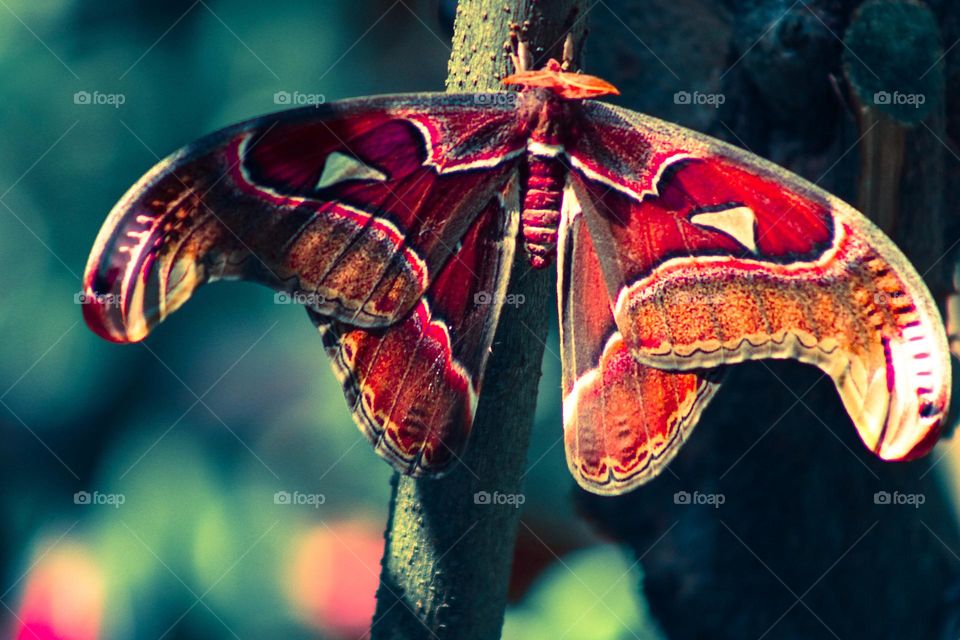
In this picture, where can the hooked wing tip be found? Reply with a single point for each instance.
(909, 444)
(914, 450)
(103, 309)
(897, 420)
(102, 317)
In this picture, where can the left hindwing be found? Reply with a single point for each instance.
(413, 386)
(714, 256)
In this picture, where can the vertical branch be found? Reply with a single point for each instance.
(447, 559)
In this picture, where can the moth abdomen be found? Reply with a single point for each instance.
(541, 208)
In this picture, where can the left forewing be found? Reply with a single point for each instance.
(350, 207)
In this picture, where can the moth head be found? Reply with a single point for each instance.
(564, 84)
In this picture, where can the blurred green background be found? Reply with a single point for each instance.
(139, 482)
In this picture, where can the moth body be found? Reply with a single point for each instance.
(545, 178)
(544, 96)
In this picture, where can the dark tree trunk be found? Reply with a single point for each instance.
(800, 548)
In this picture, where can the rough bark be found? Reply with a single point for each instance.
(447, 559)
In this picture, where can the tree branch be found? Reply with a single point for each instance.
(447, 559)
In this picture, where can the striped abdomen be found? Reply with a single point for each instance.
(541, 208)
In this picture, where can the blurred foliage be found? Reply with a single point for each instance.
(590, 594)
(232, 400)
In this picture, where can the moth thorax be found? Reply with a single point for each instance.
(541, 208)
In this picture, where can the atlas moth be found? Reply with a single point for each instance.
(395, 220)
